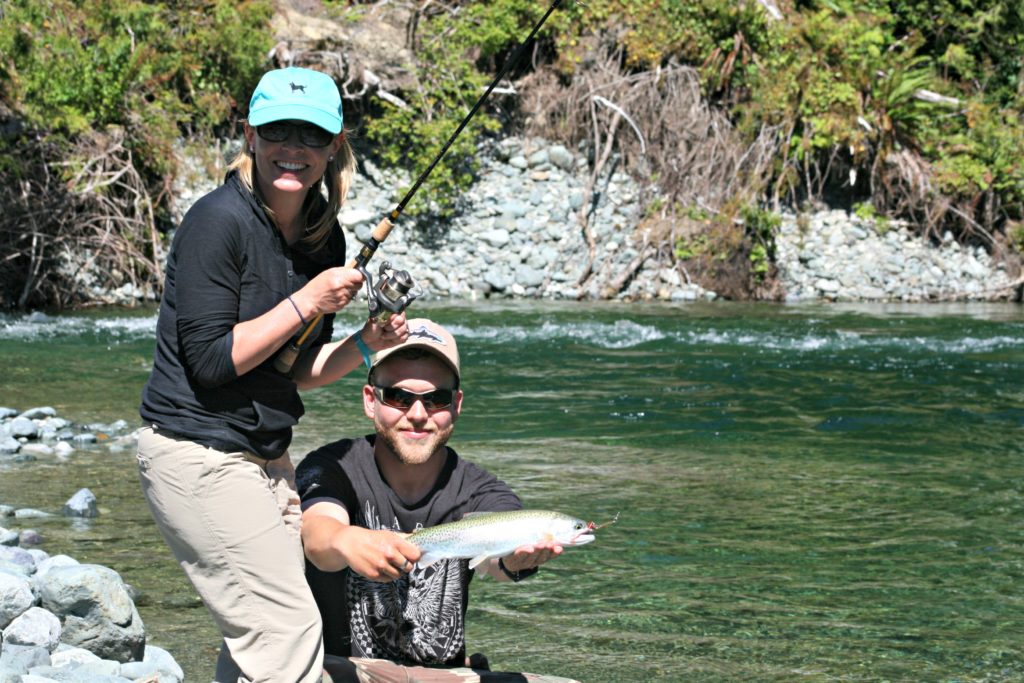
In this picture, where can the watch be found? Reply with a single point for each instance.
(516, 576)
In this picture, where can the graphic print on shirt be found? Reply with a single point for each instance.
(417, 618)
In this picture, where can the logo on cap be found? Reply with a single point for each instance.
(424, 332)
(300, 88)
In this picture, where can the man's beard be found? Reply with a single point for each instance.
(418, 452)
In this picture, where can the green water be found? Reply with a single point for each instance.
(805, 493)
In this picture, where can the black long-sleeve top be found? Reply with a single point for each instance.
(228, 263)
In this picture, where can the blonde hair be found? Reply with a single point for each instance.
(338, 178)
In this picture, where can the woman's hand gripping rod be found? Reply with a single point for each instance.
(390, 296)
(287, 356)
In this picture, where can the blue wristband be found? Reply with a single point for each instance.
(363, 349)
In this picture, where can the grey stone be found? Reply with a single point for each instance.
(18, 659)
(82, 504)
(29, 537)
(496, 280)
(8, 537)
(496, 238)
(15, 598)
(31, 513)
(538, 158)
(35, 627)
(561, 157)
(96, 610)
(70, 657)
(140, 670)
(21, 426)
(18, 557)
(164, 663)
(39, 413)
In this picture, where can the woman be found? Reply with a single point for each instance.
(251, 264)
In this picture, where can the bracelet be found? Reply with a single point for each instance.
(296, 307)
(516, 576)
(364, 349)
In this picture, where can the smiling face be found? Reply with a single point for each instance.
(288, 167)
(414, 434)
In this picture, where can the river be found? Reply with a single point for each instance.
(804, 492)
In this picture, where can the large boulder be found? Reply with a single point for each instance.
(96, 611)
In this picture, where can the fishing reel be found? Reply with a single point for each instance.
(391, 294)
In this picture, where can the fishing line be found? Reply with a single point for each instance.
(289, 354)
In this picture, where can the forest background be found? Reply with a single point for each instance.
(728, 110)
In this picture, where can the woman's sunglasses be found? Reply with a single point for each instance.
(309, 135)
(438, 399)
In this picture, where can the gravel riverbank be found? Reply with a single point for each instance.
(519, 235)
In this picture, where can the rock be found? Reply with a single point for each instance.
(18, 659)
(19, 558)
(164, 663)
(15, 598)
(50, 563)
(31, 513)
(97, 613)
(560, 157)
(29, 537)
(39, 413)
(82, 504)
(22, 426)
(8, 537)
(35, 627)
(496, 238)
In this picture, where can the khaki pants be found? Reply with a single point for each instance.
(234, 529)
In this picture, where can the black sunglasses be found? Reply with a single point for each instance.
(435, 400)
(309, 135)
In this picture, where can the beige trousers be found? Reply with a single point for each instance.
(234, 528)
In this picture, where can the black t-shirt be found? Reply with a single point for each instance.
(228, 263)
(419, 619)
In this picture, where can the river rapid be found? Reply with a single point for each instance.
(804, 492)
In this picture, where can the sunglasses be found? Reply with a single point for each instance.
(309, 135)
(438, 399)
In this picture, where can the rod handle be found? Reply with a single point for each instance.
(286, 358)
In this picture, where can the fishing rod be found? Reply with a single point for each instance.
(394, 289)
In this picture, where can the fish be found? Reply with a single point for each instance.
(481, 536)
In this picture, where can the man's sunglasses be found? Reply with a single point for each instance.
(309, 135)
(438, 399)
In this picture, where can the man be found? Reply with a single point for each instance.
(361, 496)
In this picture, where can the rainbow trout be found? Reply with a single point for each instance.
(481, 536)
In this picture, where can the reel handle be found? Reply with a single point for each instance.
(286, 357)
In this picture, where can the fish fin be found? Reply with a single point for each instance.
(477, 560)
(427, 559)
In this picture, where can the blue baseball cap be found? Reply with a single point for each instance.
(296, 94)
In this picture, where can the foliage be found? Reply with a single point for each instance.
(912, 107)
(154, 68)
(100, 91)
(761, 226)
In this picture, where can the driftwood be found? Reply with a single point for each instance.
(89, 216)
